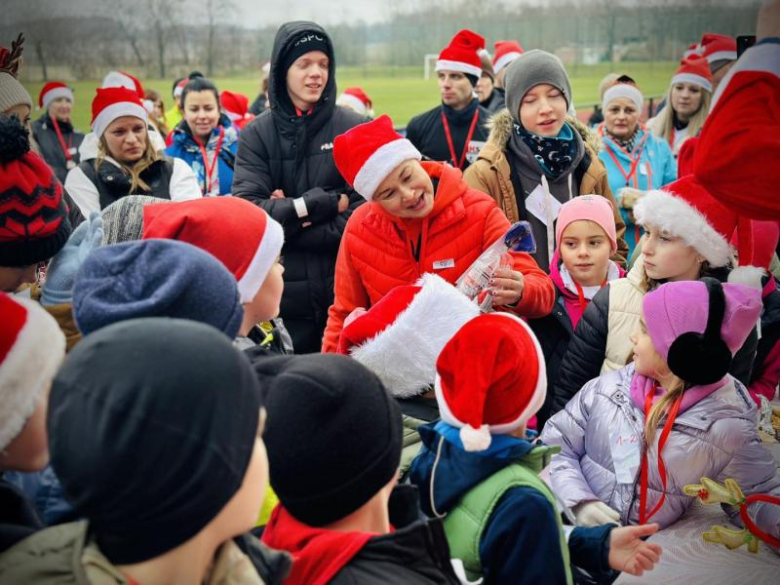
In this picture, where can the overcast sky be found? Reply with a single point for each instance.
(255, 13)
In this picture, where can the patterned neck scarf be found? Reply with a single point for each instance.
(554, 154)
(629, 143)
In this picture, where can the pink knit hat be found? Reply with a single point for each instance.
(593, 208)
(677, 308)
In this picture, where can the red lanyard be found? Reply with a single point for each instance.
(583, 301)
(644, 517)
(455, 160)
(65, 148)
(209, 169)
(634, 157)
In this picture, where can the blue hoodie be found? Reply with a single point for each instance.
(521, 543)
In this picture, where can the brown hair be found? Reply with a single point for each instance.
(149, 156)
(159, 123)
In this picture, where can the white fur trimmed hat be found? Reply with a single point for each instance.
(462, 54)
(115, 102)
(686, 209)
(400, 337)
(490, 378)
(367, 153)
(31, 350)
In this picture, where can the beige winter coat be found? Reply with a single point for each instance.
(625, 309)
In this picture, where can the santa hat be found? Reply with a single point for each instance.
(358, 100)
(687, 210)
(32, 347)
(490, 378)
(506, 52)
(179, 89)
(236, 107)
(367, 153)
(239, 234)
(112, 103)
(462, 55)
(400, 337)
(694, 69)
(717, 47)
(694, 49)
(124, 79)
(52, 91)
(765, 238)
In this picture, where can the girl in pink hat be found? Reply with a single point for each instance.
(632, 439)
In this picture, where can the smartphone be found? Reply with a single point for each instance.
(744, 42)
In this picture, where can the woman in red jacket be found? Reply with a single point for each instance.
(421, 217)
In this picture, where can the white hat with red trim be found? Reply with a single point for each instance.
(696, 70)
(112, 103)
(506, 52)
(32, 347)
(239, 234)
(367, 153)
(490, 378)
(53, 91)
(717, 47)
(462, 54)
(124, 79)
(356, 99)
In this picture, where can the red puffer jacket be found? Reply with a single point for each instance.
(376, 256)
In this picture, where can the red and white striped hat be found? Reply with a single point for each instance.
(694, 69)
(462, 54)
(52, 91)
(490, 378)
(237, 233)
(367, 153)
(717, 47)
(358, 100)
(112, 103)
(506, 52)
(32, 347)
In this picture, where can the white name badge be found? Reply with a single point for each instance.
(626, 452)
(643, 169)
(444, 264)
(473, 150)
(536, 204)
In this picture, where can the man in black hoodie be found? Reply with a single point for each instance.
(285, 165)
(456, 130)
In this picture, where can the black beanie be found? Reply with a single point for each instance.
(310, 40)
(333, 435)
(152, 424)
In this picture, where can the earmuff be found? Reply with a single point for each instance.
(703, 358)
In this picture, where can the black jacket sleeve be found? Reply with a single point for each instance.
(327, 235)
(586, 350)
(742, 365)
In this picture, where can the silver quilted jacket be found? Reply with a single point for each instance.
(714, 438)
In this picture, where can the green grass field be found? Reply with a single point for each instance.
(400, 93)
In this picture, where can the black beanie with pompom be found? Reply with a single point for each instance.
(34, 222)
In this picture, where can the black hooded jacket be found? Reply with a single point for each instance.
(282, 150)
(49, 144)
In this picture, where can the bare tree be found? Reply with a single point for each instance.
(161, 16)
(217, 12)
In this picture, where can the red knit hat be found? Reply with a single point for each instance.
(236, 107)
(717, 47)
(401, 336)
(34, 223)
(506, 52)
(367, 153)
(239, 234)
(52, 91)
(490, 378)
(694, 69)
(32, 347)
(124, 79)
(112, 103)
(462, 54)
(686, 209)
(358, 100)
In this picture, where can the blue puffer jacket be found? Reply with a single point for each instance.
(656, 168)
(715, 438)
(185, 148)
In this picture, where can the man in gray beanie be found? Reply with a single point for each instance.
(544, 155)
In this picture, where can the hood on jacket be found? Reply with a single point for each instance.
(455, 471)
(557, 278)
(501, 128)
(277, 79)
